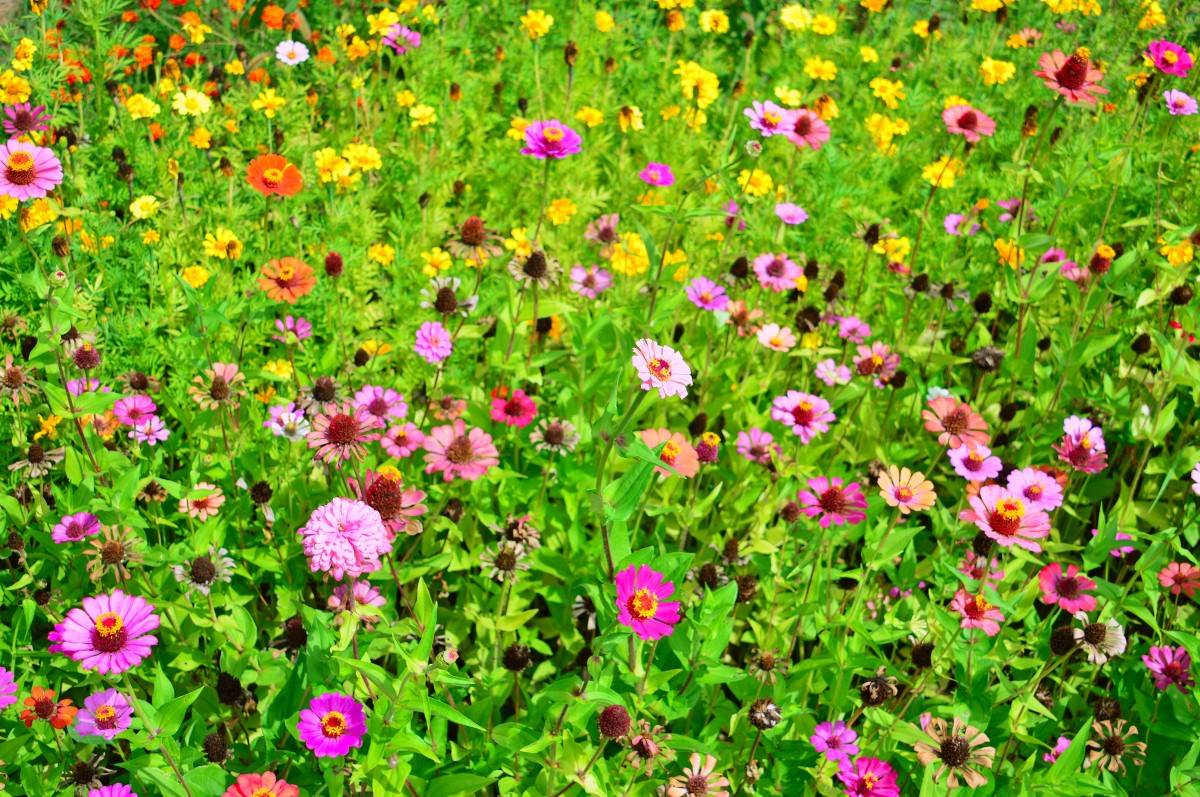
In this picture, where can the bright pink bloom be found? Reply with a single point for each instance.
(110, 634)
(551, 139)
(853, 329)
(1180, 577)
(25, 118)
(965, 121)
(707, 295)
(380, 404)
(977, 612)
(768, 118)
(151, 431)
(877, 361)
(28, 171)
(73, 528)
(835, 740)
(975, 463)
(1006, 519)
(458, 454)
(808, 415)
(806, 129)
(836, 505)
(1059, 748)
(1170, 666)
(1170, 58)
(433, 342)
(1073, 76)
(264, 785)
(1038, 488)
(402, 441)
(517, 410)
(104, 714)
(869, 777)
(8, 689)
(332, 724)
(345, 537)
(1067, 589)
(642, 603)
(1082, 445)
(757, 445)
(658, 174)
(133, 410)
(590, 282)
(338, 435)
(292, 327)
(661, 367)
(777, 273)
(956, 424)
(980, 568)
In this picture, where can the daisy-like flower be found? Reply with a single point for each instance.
(456, 453)
(791, 214)
(757, 446)
(272, 174)
(506, 562)
(707, 295)
(39, 461)
(287, 422)
(219, 386)
(877, 361)
(1169, 58)
(380, 405)
(264, 785)
(8, 689)
(133, 410)
(1180, 577)
(287, 279)
(1038, 488)
(835, 740)
(291, 53)
(834, 503)
(657, 174)
(27, 171)
(955, 423)
(110, 634)
(831, 373)
(1112, 744)
(401, 39)
(777, 338)
(1006, 518)
(958, 751)
(554, 435)
(42, 706)
(25, 118)
(474, 241)
(869, 777)
(1073, 76)
(433, 342)
(1101, 640)
(442, 297)
(975, 463)
(1170, 667)
(204, 501)
(965, 121)
(676, 452)
(385, 493)
(73, 528)
(345, 537)
(1082, 445)
(808, 415)
(906, 490)
(517, 410)
(104, 714)
(111, 552)
(977, 612)
(603, 233)
(642, 603)
(806, 129)
(367, 598)
(768, 118)
(551, 139)
(590, 282)
(853, 329)
(339, 436)
(646, 746)
(201, 573)
(1179, 103)
(661, 367)
(137, 382)
(1068, 589)
(332, 724)
(402, 441)
(699, 779)
(776, 273)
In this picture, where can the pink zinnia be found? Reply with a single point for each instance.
(836, 505)
(790, 213)
(339, 434)
(8, 689)
(642, 603)
(869, 777)
(25, 118)
(1180, 577)
(877, 361)
(264, 785)
(757, 445)
(332, 724)
(1170, 58)
(806, 129)
(292, 327)
(517, 410)
(1073, 76)
(956, 424)
(133, 410)
(1066, 589)
(204, 506)
(965, 121)
(151, 431)
(1170, 666)
(345, 537)
(458, 454)
(777, 273)
(980, 568)
(977, 612)
(767, 118)
(831, 373)
(661, 367)
(1006, 519)
(27, 171)
(104, 714)
(380, 404)
(1038, 488)
(658, 174)
(401, 38)
(699, 779)
(73, 528)
(590, 282)
(707, 295)
(853, 329)
(1082, 445)
(110, 634)
(433, 342)
(808, 415)
(835, 740)
(975, 463)
(550, 139)
(398, 507)
(777, 338)
(402, 441)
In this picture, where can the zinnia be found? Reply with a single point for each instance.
(287, 279)
(642, 603)
(29, 171)
(345, 537)
(1006, 519)
(110, 634)
(332, 724)
(458, 454)
(264, 785)
(1074, 77)
(808, 415)
(906, 490)
(272, 174)
(661, 367)
(835, 504)
(551, 139)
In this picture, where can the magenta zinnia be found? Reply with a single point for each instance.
(516, 410)
(110, 634)
(642, 603)
(1006, 518)
(977, 612)
(1082, 445)
(833, 503)
(808, 415)
(345, 537)
(1170, 666)
(332, 724)
(1066, 589)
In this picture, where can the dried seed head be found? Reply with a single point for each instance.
(613, 722)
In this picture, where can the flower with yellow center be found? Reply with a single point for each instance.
(874, 6)
(697, 83)
(49, 427)
(824, 25)
(792, 98)
(363, 157)
(382, 253)
(330, 166)
(222, 244)
(196, 276)
(151, 237)
(826, 108)
(279, 368)
(1153, 17)
(675, 21)
(536, 23)
(14, 88)
(358, 49)
(893, 248)
(436, 260)
(268, 102)
(795, 17)
(604, 21)
(374, 347)
(712, 21)
(23, 55)
(868, 54)
(818, 68)
(630, 118)
(141, 107)
(996, 72)
(144, 207)
(421, 116)
(942, 172)
(592, 117)
(560, 211)
(200, 138)
(629, 256)
(890, 91)
(266, 395)
(379, 23)
(643, 604)
(406, 99)
(755, 182)
(519, 243)
(235, 67)
(191, 103)
(921, 28)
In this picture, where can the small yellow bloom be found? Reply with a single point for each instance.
(994, 72)
(630, 118)
(235, 67)
(1011, 255)
(406, 99)
(953, 100)
(279, 368)
(14, 88)
(422, 116)
(650, 198)
(379, 23)
(669, 113)
(714, 21)
(49, 427)
(141, 107)
(382, 253)
(435, 261)
(818, 68)
(196, 276)
(516, 128)
(363, 157)
(151, 237)
(191, 103)
(604, 21)
(374, 347)
(560, 211)
(824, 25)
(890, 91)
(894, 248)
(143, 207)
(222, 244)
(811, 341)
(675, 21)
(697, 82)
(8, 206)
(629, 256)
(942, 172)
(200, 138)
(268, 102)
(592, 117)
(795, 17)
(39, 213)
(987, 6)
(874, 6)
(519, 244)
(826, 108)
(792, 98)
(756, 182)
(869, 54)
(358, 49)
(266, 395)
(921, 28)
(23, 55)
(331, 167)
(1154, 16)
(1177, 254)
(536, 23)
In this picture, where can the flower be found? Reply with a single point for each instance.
(536, 23)
(28, 171)
(458, 454)
(831, 373)
(676, 452)
(402, 441)
(1006, 519)
(768, 118)
(1082, 445)
(1180, 577)
(345, 537)
(1170, 666)
(1113, 745)
(110, 634)
(805, 129)
(551, 139)
(201, 573)
(401, 39)
(977, 612)
(380, 404)
(755, 182)
(287, 279)
(965, 121)
(808, 415)
(1074, 77)
(433, 343)
(836, 505)
(707, 295)
(791, 214)
(115, 790)
(72, 528)
(272, 174)
(554, 434)
(876, 360)
(1037, 487)
(777, 273)
(338, 434)
(365, 600)
(642, 603)
(1060, 747)
(956, 423)
(516, 410)
(835, 740)
(658, 174)
(995, 71)
(8, 688)
(942, 172)
(1169, 58)
(1179, 103)
(776, 338)
(292, 329)
(291, 53)
(1101, 640)
(853, 329)
(975, 463)
(24, 118)
(133, 410)
(869, 777)
(205, 505)
(1067, 589)
(384, 492)
(958, 750)
(104, 714)
(288, 422)
(908, 490)
(332, 724)
(42, 706)
(757, 446)
(264, 785)
(698, 779)
(661, 367)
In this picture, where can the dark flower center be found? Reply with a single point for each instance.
(1067, 587)
(460, 451)
(955, 751)
(384, 496)
(342, 430)
(219, 390)
(606, 235)
(14, 378)
(1095, 633)
(554, 434)
(968, 121)
(514, 407)
(697, 784)
(82, 774)
(446, 402)
(139, 381)
(378, 406)
(203, 571)
(323, 389)
(776, 268)
(803, 125)
(473, 232)
(506, 560)
(833, 500)
(113, 552)
(36, 455)
(535, 266)
(766, 662)
(45, 707)
(802, 413)
(1114, 746)
(955, 421)
(19, 170)
(446, 302)
(23, 121)
(1073, 73)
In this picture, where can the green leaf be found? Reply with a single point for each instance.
(164, 692)
(1072, 758)
(452, 714)
(171, 714)
(208, 779)
(627, 492)
(512, 622)
(451, 785)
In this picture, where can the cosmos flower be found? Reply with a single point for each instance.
(110, 634)
(662, 368)
(591, 281)
(808, 415)
(834, 503)
(657, 174)
(1006, 518)
(291, 53)
(1066, 589)
(332, 724)
(401, 39)
(777, 273)
(791, 214)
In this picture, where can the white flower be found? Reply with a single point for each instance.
(291, 53)
(937, 392)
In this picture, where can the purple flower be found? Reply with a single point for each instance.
(853, 329)
(1170, 666)
(790, 213)
(401, 39)
(835, 740)
(1120, 550)
(975, 463)
(658, 174)
(104, 714)
(332, 724)
(757, 445)
(707, 295)
(776, 272)
(25, 118)
(768, 118)
(300, 327)
(831, 373)
(380, 404)
(591, 281)
(152, 430)
(1059, 748)
(1179, 103)
(73, 528)
(8, 689)
(1012, 206)
(433, 342)
(77, 387)
(1170, 58)
(551, 139)
(110, 634)
(959, 224)
(1037, 488)
(732, 216)
(288, 422)
(135, 409)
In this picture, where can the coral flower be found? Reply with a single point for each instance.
(699, 779)
(661, 367)
(808, 415)
(264, 785)
(28, 171)
(642, 603)
(551, 139)
(956, 424)
(203, 506)
(110, 634)
(1169, 58)
(517, 410)
(1066, 589)
(1180, 577)
(1074, 77)
(345, 537)
(965, 121)
(42, 706)
(1006, 518)
(677, 452)
(458, 454)
(906, 490)
(332, 724)
(806, 129)
(338, 435)
(287, 279)
(977, 612)
(836, 505)
(272, 174)
(1170, 666)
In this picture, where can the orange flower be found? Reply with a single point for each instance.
(272, 174)
(287, 279)
(272, 17)
(177, 42)
(42, 706)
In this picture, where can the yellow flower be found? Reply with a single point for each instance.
(818, 68)
(675, 21)
(266, 395)
(435, 260)
(994, 71)
(23, 55)
(893, 248)
(330, 165)
(1016, 41)
(39, 213)
(141, 107)
(195, 28)
(8, 206)
(792, 98)
(630, 117)
(345, 31)
(669, 113)
(363, 157)
(143, 207)
(756, 182)
(695, 118)
(151, 237)
(697, 82)
(519, 244)
(674, 258)
(714, 22)
(604, 21)
(235, 67)
(268, 102)
(379, 23)
(921, 28)
(358, 49)
(941, 173)
(200, 138)
(196, 276)
(382, 253)
(49, 427)
(592, 117)
(14, 88)
(1154, 16)
(191, 103)
(953, 100)
(1177, 254)
(222, 244)
(374, 347)
(516, 128)
(987, 6)
(869, 54)
(650, 198)
(536, 23)
(1011, 255)
(560, 211)
(406, 99)
(795, 17)
(1139, 78)
(826, 108)
(422, 116)
(824, 25)
(811, 340)
(629, 255)
(874, 6)
(279, 368)
(890, 91)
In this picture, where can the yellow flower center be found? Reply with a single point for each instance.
(272, 177)
(263, 793)
(333, 724)
(1010, 508)
(552, 134)
(981, 604)
(772, 118)
(669, 453)
(286, 272)
(1170, 57)
(1083, 54)
(875, 358)
(869, 781)
(643, 605)
(20, 161)
(104, 714)
(659, 368)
